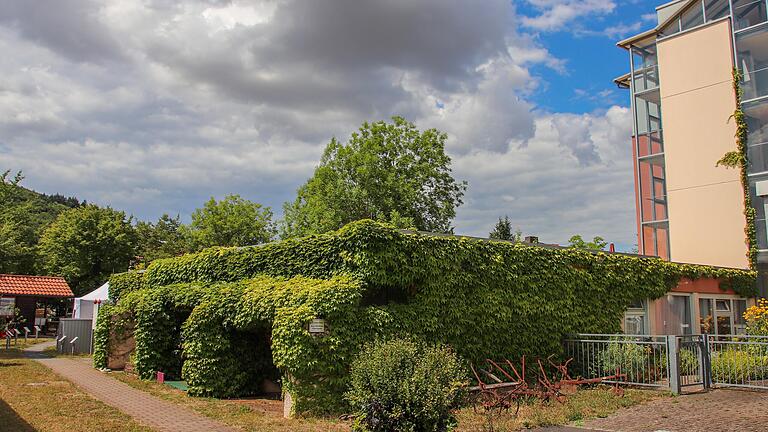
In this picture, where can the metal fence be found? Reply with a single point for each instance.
(674, 362)
(642, 358)
(739, 361)
(74, 336)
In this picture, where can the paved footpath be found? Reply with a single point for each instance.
(144, 408)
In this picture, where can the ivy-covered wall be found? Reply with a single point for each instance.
(123, 283)
(485, 298)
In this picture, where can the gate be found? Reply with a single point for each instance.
(688, 363)
(681, 363)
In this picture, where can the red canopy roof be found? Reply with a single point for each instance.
(37, 286)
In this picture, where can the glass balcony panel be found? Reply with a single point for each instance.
(748, 13)
(692, 17)
(716, 9)
(758, 158)
(646, 78)
(756, 114)
(671, 28)
(762, 234)
(755, 84)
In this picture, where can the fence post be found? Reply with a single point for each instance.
(706, 362)
(672, 364)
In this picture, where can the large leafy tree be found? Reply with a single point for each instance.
(233, 221)
(87, 244)
(387, 171)
(165, 238)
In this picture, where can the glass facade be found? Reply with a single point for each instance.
(648, 141)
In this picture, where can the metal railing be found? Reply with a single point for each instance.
(676, 362)
(739, 361)
(644, 359)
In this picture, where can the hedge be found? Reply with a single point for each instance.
(483, 298)
(123, 283)
(248, 330)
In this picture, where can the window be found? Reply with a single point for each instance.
(7, 305)
(747, 13)
(635, 318)
(692, 17)
(722, 316)
(716, 9)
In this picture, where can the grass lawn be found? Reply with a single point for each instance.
(266, 415)
(33, 398)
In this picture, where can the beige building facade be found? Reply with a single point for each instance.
(689, 210)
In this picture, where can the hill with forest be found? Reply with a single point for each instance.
(24, 216)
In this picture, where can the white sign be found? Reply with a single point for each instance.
(317, 326)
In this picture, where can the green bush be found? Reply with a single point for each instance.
(738, 367)
(401, 385)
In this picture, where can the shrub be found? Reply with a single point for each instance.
(402, 385)
(738, 367)
(757, 318)
(626, 357)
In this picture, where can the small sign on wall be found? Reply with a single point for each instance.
(318, 327)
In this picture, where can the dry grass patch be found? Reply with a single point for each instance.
(266, 415)
(33, 398)
(585, 404)
(261, 415)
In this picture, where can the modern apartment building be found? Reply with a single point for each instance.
(682, 97)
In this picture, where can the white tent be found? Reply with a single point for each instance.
(87, 306)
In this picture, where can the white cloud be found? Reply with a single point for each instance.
(554, 15)
(154, 106)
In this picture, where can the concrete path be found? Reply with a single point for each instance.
(144, 408)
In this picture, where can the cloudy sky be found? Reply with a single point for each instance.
(153, 106)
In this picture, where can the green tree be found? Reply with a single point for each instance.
(24, 214)
(233, 221)
(387, 172)
(87, 244)
(597, 243)
(163, 239)
(503, 231)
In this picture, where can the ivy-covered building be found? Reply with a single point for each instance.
(698, 83)
(231, 320)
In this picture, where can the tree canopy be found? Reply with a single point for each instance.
(387, 171)
(166, 238)
(233, 221)
(87, 244)
(503, 231)
(24, 214)
(597, 243)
